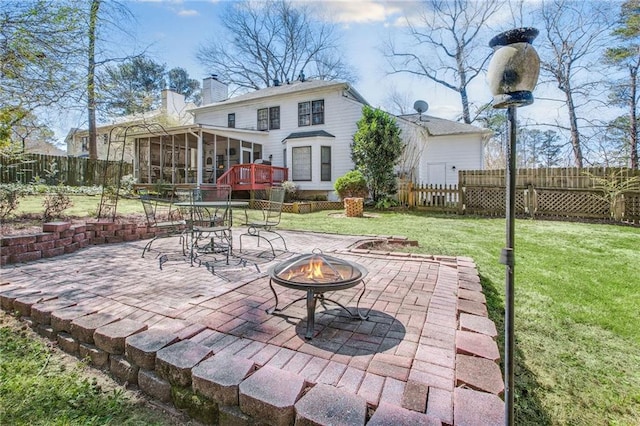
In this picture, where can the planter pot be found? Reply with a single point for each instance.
(354, 207)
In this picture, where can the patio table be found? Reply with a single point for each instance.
(215, 204)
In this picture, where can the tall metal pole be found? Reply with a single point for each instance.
(508, 259)
(512, 76)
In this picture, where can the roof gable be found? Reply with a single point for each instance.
(442, 127)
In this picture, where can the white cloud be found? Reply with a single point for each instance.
(360, 11)
(188, 12)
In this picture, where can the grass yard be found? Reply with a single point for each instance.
(83, 206)
(42, 386)
(577, 304)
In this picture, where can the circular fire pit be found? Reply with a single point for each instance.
(317, 273)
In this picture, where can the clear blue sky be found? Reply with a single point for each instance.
(173, 29)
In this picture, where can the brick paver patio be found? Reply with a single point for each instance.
(426, 354)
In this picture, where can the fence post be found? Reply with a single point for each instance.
(410, 194)
(530, 203)
(461, 200)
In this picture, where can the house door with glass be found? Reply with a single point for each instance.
(247, 155)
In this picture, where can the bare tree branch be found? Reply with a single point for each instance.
(273, 40)
(447, 47)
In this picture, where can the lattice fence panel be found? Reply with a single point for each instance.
(301, 207)
(571, 203)
(632, 207)
(486, 200)
(327, 205)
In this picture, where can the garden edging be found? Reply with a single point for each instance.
(58, 238)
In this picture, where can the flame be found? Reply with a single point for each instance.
(314, 269)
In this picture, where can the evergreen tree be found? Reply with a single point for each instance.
(626, 56)
(376, 150)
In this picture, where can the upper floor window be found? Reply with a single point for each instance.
(274, 117)
(263, 119)
(269, 118)
(231, 120)
(311, 113)
(317, 112)
(85, 143)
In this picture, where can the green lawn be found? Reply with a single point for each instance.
(82, 205)
(577, 304)
(38, 387)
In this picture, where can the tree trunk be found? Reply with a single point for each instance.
(575, 134)
(464, 98)
(633, 119)
(91, 92)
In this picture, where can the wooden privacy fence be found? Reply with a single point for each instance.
(596, 193)
(73, 171)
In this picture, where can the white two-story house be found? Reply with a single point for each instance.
(299, 131)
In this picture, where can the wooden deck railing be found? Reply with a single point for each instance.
(251, 177)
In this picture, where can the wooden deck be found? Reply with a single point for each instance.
(251, 177)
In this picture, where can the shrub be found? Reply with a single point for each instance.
(9, 199)
(126, 184)
(386, 203)
(352, 184)
(290, 191)
(55, 202)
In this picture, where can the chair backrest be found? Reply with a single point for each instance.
(149, 207)
(274, 210)
(183, 195)
(218, 215)
(220, 193)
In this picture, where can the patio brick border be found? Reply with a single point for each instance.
(58, 238)
(164, 364)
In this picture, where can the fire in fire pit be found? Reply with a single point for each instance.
(316, 273)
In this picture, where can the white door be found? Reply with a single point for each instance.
(436, 173)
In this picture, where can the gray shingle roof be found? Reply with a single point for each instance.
(293, 87)
(310, 134)
(441, 127)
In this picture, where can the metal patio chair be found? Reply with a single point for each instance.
(264, 229)
(163, 225)
(210, 231)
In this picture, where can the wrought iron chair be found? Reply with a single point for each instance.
(271, 214)
(211, 222)
(163, 225)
